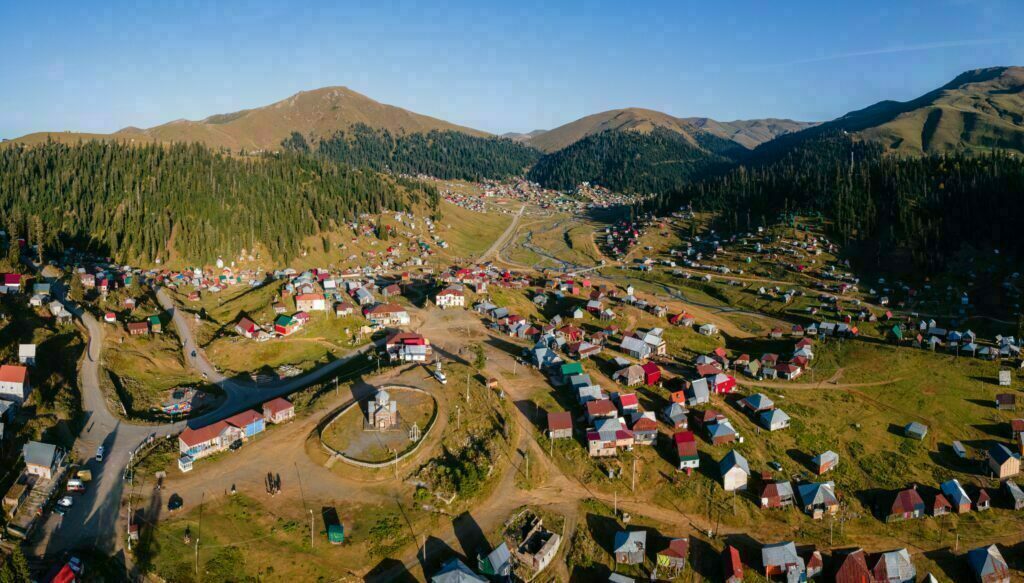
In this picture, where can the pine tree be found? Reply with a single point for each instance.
(76, 291)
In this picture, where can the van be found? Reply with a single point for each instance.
(75, 485)
(99, 454)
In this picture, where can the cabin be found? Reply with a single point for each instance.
(630, 547)
(1002, 462)
(560, 425)
(852, 567)
(310, 303)
(1014, 495)
(774, 420)
(14, 383)
(652, 373)
(988, 565)
(732, 565)
(824, 462)
(247, 328)
(673, 558)
(735, 471)
(782, 560)
(906, 505)
(630, 376)
(893, 567)
(686, 450)
(776, 494)
(138, 328)
(818, 499)
(41, 459)
(278, 410)
(958, 499)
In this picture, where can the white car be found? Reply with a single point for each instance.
(66, 501)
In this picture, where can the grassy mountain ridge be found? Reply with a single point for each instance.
(314, 114)
(978, 111)
(747, 133)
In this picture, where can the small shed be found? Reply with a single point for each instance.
(915, 430)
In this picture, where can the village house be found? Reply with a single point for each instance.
(735, 471)
(343, 309)
(1002, 462)
(600, 409)
(286, 325)
(310, 302)
(630, 547)
(988, 565)
(630, 376)
(560, 425)
(907, 504)
(388, 315)
(1014, 494)
(672, 559)
(782, 560)
(732, 565)
(852, 567)
(940, 506)
(644, 428)
(776, 494)
(247, 328)
(138, 328)
(686, 450)
(41, 459)
(14, 383)
(407, 347)
(893, 567)
(818, 498)
(27, 354)
(774, 420)
(450, 298)
(958, 499)
(824, 462)
(675, 415)
(278, 411)
(607, 436)
(635, 347)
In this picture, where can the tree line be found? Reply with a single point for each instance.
(929, 207)
(441, 154)
(143, 203)
(633, 162)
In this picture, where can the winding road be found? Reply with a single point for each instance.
(96, 520)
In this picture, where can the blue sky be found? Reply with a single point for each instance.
(497, 66)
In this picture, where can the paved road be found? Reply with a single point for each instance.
(96, 519)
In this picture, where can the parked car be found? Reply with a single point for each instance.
(99, 453)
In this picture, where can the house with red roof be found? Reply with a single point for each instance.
(14, 383)
(279, 410)
(652, 373)
(310, 303)
(247, 328)
(450, 298)
(686, 449)
(204, 441)
(388, 315)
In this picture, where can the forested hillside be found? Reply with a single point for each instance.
(137, 203)
(633, 162)
(929, 206)
(442, 154)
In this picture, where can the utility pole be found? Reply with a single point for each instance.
(467, 386)
(616, 510)
(310, 528)
(199, 529)
(632, 484)
(396, 463)
(527, 456)
(458, 416)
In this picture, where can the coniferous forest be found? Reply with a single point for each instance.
(930, 207)
(441, 154)
(134, 202)
(632, 162)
